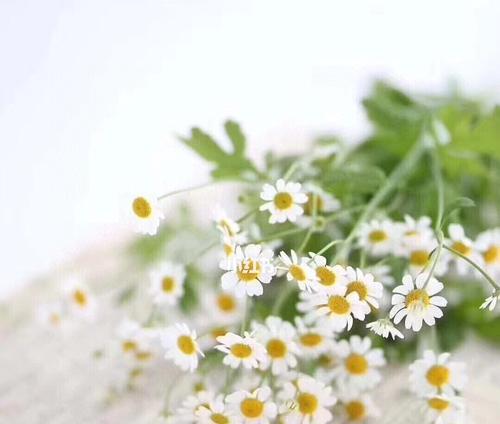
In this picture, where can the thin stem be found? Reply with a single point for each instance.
(287, 291)
(438, 178)
(184, 190)
(396, 177)
(291, 169)
(328, 246)
(244, 321)
(471, 262)
(335, 215)
(247, 215)
(311, 228)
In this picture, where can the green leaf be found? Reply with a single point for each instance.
(350, 179)
(228, 165)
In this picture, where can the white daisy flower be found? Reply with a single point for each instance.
(313, 340)
(228, 251)
(252, 268)
(416, 302)
(52, 315)
(283, 201)
(224, 308)
(239, 350)
(440, 409)
(459, 242)
(192, 405)
(298, 270)
(384, 327)
(358, 363)
(488, 243)
(378, 238)
(135, 341)
(80, 301)
(253, 407)
(181, 346)
(328, 278)
(414, 232)
(167, 283)
(278, 338)
(336, 310)
(435, 374)
(215, 412)
(420, 258)
(324, 202)
(145, 213)
(491, 301)
(307, 401)
(382, 273)
(355, 407)
(229, 228)
(368, 290)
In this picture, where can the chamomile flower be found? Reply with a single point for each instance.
(283, 201)
(436, 374)
(359, 364)
(459, 242)
(228, 251)
(417, 301)
(488, 243)
(491, 301)
(354, 407)
(328, 278)
(167, 283)
(245, 351)
(253, 407)
(223, 307)
(420, 258)
(229, 228)
(52, 315)
(317, 198)
(414, 232)
(307, 401)
(313, 340)
(441, 409)
(145, 214)
(278, 338)
(378, 238)
(192, 405)
(135, 341)
(252, 268)
(298, 270)
(181, 346)
(335, 311)
(384, 327)
(80, 301)
(215, 412)
(368, 290)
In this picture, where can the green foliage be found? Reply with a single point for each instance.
(232, 165)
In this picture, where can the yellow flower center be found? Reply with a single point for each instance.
(356, 364)
(355, 410)
(141, 207)
(80, 298)
(228, 250)
(311, 339)
(276, 348)
(129, 346)
(358, 287)
(438, 404)
(248, 270)
(199, 387)
(308, 403)
(283, 200)
(135, 372)
(417, 298)
(219, 419)
(241, 350)
(218, 331)
(186, 345)
(252, 408)
(461, 248)
(327, 361)
(326, 276)
(310, 204)
(339, 305)
(143, 356)
(297, 273)
(168, 284)
(226, 303)
(492, 255)
(419, 258)
(438, 376)
(226, 225)
(378, 236)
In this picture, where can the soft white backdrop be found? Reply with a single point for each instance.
(93, 92)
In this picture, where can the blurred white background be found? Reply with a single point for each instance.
(92, 93)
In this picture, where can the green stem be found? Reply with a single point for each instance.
(291, 169)
(335, 215)
(311, 228)
(396, 177)
(184, 190)
(287, 291)
(471, 262)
